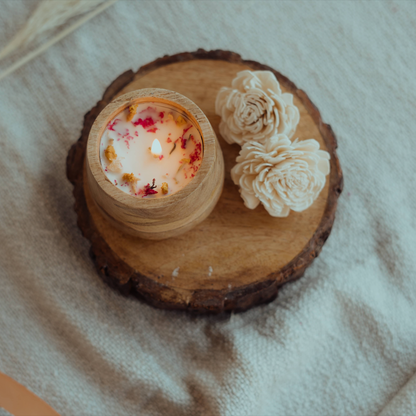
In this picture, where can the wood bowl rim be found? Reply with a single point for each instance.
(119, 104)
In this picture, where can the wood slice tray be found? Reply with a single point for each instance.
(251, 254)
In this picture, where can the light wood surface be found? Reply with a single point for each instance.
(19, 401)
(249, 252)
(159, 218)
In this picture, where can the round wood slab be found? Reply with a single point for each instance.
(237, 258)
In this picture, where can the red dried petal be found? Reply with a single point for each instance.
(147, 122)
(111, 125)
(148, 190)
(183, 140)
(196, 154)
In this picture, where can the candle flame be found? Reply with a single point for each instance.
(156, 148)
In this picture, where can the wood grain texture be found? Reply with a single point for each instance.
(251, 253)
(160, 218)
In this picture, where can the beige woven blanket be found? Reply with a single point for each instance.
(340, 341)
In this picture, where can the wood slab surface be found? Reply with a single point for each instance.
(237, 258)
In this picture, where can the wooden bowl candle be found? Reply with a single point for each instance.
(154, 165)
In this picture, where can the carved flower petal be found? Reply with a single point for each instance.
(255, 108)
(280, 174)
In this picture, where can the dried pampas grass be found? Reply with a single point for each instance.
(49, 15)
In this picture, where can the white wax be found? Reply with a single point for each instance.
(132, 140)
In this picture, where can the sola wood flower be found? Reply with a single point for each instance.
(282, 175)
(255, 108)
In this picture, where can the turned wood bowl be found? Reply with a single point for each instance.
(166, 217)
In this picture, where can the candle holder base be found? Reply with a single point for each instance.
(237, 258)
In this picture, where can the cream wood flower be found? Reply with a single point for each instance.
(255, 108)
(281, 174)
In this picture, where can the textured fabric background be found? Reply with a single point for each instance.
(341, 341)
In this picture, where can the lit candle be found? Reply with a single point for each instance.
(151, 150)
(156, 148)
